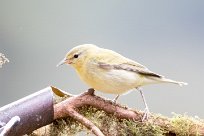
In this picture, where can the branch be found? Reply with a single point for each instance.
(69, 106)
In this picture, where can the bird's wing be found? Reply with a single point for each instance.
(108, 59)
(129, 67)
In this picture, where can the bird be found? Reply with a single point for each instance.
(109, 72)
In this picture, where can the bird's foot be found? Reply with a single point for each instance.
(115, 99)
(146, 114)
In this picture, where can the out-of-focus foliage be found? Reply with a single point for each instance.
(3, 59)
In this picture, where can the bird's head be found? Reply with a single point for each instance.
(77, 55)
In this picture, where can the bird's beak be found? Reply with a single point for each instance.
(63, 62)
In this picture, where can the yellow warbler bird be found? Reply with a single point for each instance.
(109, 72)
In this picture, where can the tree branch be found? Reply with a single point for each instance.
(69, 106)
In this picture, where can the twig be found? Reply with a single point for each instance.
(85, 122)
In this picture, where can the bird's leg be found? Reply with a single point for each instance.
(116, 98)
(146, 111)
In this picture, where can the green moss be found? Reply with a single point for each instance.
(183, 124)
(66, 126)
(142, 129)
(107, 123)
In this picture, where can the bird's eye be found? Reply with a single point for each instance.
(76, 56)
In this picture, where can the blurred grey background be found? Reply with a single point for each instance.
(165, 36)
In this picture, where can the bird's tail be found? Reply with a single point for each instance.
(165, 80)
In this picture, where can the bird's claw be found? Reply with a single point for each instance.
(115, 99)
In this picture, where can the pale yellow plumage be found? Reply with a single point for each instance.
(110, 72)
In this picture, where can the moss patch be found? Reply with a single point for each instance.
(183, 124)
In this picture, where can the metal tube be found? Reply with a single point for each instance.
(35, 111)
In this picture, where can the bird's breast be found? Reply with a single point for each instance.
(110, 81)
